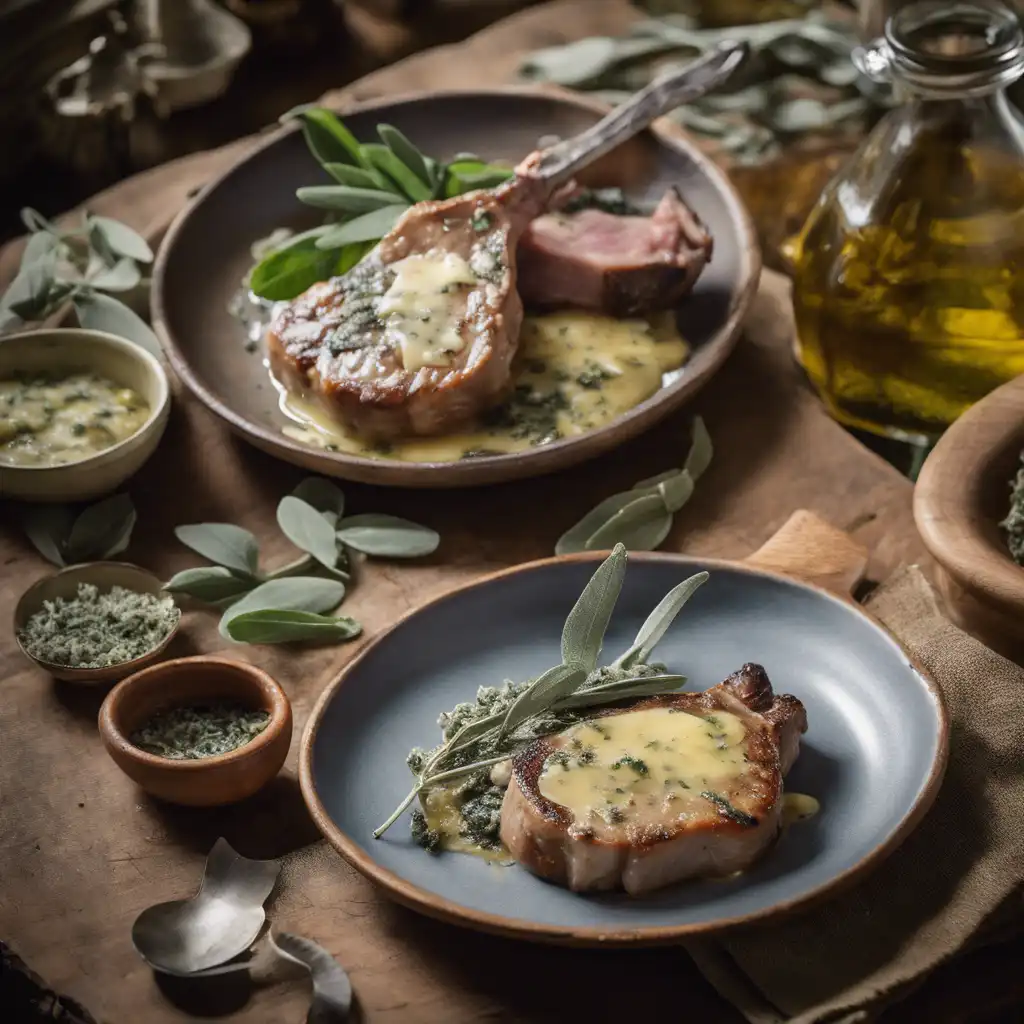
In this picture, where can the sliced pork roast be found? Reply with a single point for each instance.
(619, 265)
(673, 787)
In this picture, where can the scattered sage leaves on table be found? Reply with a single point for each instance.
(476, 736)
(81, 265)
(641, 518)
(289, 604)
(98, 532)
(373, 184)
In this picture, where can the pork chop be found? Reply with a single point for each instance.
(621, 265)
(673, 787)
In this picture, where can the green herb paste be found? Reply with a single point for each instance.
(191, 733)
(94, 630)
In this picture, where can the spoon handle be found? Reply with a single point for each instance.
(560, 162)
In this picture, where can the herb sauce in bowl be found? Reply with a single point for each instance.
(55, 419)
(195, 731)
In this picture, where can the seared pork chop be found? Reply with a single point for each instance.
(419, 337)
(673, 787)
(619, 265)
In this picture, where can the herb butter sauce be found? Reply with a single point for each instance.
(51, 420)
(575, 372)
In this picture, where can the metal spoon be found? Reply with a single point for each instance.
(332, 990)
(216, 925)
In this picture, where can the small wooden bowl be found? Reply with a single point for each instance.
(122, 361)
(105, 576)
(207, 781)
(962, 494)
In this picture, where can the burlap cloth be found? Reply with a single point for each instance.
(957, 882)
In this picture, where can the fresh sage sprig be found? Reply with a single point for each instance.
(82, 265)
(477, 735)
(641, 518)
(290, 603)
(66, 537)
(373, 185)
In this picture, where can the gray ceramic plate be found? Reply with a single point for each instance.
(206, 254)
(873, 755)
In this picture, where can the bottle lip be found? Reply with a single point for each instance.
(963, 48)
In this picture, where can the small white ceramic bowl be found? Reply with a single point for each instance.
(125, 363)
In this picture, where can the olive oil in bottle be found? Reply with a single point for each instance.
(909, 273)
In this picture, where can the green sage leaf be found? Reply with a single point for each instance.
(102, 530)
(385, 161)
(40, 246)
(48, 528)
(358, 177)
(583, 633)
(324, 495)
(29, 294)
(99, 312)
(346, 198)
(641, 526)
(701, 450)
(35, 221)
(370, 227)
(676, 490)
(628, 689)
(121, 277)
(279, 626)
(658, 622)
(575, 539)
(122, 240)
(483, 179)
(387, 536)
(308, 530)
(211, 584)
(328, 139)
(549, 686)
(288, 271)
(405, 151)
(224, 544)
(290, 593)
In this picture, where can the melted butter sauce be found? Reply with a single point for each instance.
(644, 767)
(441, 813)
(797, 807)
(55, 420)
(575, 373)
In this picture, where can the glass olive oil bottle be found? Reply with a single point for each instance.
(909, 273)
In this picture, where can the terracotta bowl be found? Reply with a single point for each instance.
(66, 348)
(105, 576)
(962, 494)
(208, 781)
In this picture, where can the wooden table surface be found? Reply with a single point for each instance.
(84, 851)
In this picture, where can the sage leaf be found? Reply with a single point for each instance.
(484, 179)
(346, 198)
(701, 450)
(641, 526)
(358, 177)
(370, 227)
(328, 139)
(99, 312)
(628, 689)
(48, 527)
(28, 295)
(39, 246)
(405, 151)
(658, 622)
(280, 626)
(676, 490)
(385, 161)
(224, 544)
(583, 633)
(211, 584)
(101, 530)
(121, 277)
(556, 682)
(387, 536)
(121, 239)
(651, 483)
(290, 269)
(35, 221)
(308, 530)
(575, 539)
(326, 497)
(291, 593)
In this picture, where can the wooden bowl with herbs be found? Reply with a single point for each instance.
(200, 731)
(970, 513)
(95, 623)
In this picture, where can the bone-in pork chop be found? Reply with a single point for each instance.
(674, 787)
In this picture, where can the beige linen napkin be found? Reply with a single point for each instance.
(955, 883)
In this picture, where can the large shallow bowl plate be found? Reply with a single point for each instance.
(206, 253)
(873, 756)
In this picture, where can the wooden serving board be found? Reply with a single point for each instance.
(84, 851)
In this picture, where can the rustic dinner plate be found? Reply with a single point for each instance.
(873, 755)
(207, 252)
